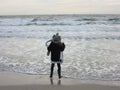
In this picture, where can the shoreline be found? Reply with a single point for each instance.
(18, 81)
(14, 78)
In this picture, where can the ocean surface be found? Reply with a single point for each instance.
(92, 45)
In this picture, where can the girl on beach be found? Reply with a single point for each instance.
(55, 48)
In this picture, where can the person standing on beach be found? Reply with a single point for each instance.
(56, 48)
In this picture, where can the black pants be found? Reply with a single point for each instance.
(59, 69)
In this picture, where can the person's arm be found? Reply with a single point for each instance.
(62, 47)
(48, 53)
(49, 49)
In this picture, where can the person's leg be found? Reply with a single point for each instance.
(52, 68)
(59, 70)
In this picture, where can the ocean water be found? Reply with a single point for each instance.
(92, 45)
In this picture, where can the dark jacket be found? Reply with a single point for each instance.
(55, 50)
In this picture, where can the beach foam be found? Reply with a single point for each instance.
(89, 60)
(92, 45)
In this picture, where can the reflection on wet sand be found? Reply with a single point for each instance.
(53, 83)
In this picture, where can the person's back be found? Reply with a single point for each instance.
(55, 49)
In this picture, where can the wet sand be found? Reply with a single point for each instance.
(17, 81)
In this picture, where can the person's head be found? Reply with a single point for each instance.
(56, 38)
(57, 34)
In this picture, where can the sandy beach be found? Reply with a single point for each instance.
(17, 81)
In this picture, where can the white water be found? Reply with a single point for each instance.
(92, 45)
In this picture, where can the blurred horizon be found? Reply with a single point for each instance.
(52, 14)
